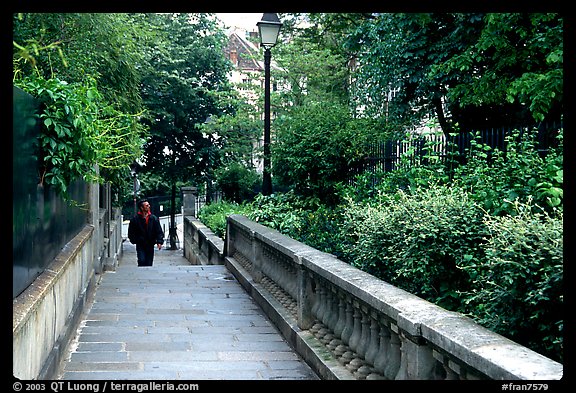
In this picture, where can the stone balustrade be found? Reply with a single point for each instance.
(201, 245)
(368, 328)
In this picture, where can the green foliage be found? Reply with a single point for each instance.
(518, 287)
(184, 75)
(524, 55)
(412, 171)
(418, 240)
(483, 68)
(81, 135)
(237, 183)
(237, 132)
(312, 71)
(326, 145)
(82, 67)
(321, 228)
(520, 173)
(73, 46)
(278, 211)
(214, 215)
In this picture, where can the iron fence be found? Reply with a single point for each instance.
(202, 200)
(385, 156)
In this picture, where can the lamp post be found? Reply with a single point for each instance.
(268, 27)
(136, 183)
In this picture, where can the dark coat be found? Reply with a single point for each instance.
(139, 233)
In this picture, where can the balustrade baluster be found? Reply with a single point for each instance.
(349, 324)
(383, 354)
(347, 353)
(365, 332)
(341, 348)
(357, 328)
(323, 312)
(316, 300)
(332, 340)
(402, 373)
(279, 277)
(327, 317)
(327, 306)
(317, 308)
(374, 343)
(451, 374)
(374, 347)
(290, 278)
(364, 368)
(322, 302)
(394, 356)
(341, 322)
(333, 317)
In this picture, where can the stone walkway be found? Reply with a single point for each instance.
(176, 321)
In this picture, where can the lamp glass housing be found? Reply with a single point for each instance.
(269, 28)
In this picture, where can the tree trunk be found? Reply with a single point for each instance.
(444, 123)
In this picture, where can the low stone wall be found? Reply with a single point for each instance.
(45, 315)
(112, 247)
(201, 245)
(348, 324)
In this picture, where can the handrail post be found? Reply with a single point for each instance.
(304, 300)
(257, 258)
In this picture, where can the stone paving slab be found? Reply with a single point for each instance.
(176, 321)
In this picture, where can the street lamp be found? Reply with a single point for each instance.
(136, 183)
(268, 27)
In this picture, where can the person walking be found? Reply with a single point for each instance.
(144, 231)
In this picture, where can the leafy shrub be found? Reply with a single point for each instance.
(322, 229)
(325, 144)
(278, 211)
(237, 182)
(418, 241)
(79, 132)
(517, 288)
(214, 215)
(519, 173)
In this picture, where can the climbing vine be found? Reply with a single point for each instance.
(81, 136)
(85, 131)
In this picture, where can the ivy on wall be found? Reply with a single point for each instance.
(81, 135)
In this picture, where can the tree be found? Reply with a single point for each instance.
(515, 62)
(467, 69)
(313, 61)
(82, 68)
(314, 149)
(184, 73)
(75, 46)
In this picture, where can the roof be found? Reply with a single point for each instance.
(247, 51)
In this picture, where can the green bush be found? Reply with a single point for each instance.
(326, 144)
(418, 241)
(518, 287)
(518, 174)
(214, 215)
(321, 228)
(237, 182)
(485, 241)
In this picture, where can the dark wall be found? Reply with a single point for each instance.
(42, 222)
